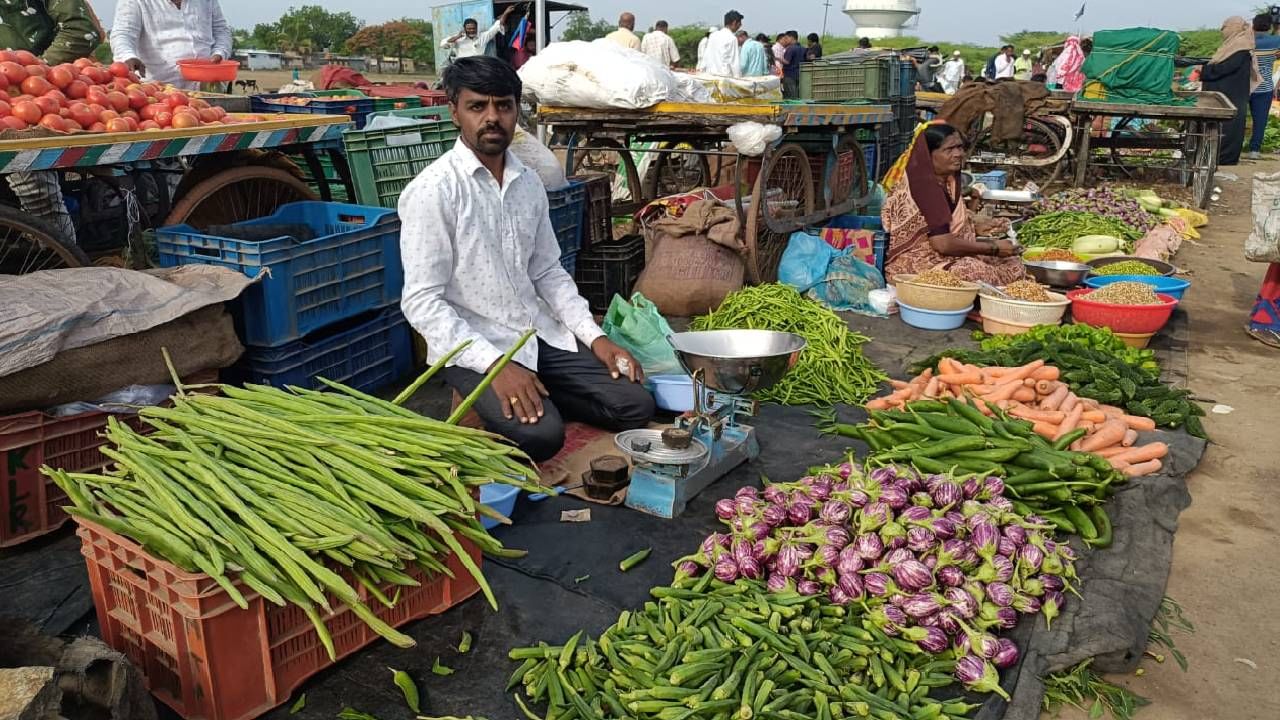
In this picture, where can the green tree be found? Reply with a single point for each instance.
(1033, 40)
(312, 28)
(404, 38)
(687, 38)
(580, 26)
(1199, 43)
(264, 36)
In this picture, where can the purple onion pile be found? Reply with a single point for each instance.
(939, 561)
(1102, 201)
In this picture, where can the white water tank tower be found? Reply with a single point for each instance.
(880, 18)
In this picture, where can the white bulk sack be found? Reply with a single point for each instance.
(602, 75)
(1263, 244)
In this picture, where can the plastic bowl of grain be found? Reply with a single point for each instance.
(1118, 316)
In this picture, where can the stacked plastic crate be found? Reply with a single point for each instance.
(326, 300)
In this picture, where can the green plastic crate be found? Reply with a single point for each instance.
(383, 162)
(329, 176)
(336, 93)
(877, 79)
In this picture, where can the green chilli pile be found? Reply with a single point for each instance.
(287, 491)
(1062, 229)
(831, 369)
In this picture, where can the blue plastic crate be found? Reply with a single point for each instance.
(367, 353)
(569, 261)
(351, 266)
(568, 207)
(880, 246)
(870, 152)
(907, 80)
(359, 108)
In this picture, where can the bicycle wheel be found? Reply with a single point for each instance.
(783, 195)
(238, 194)
(28, 245)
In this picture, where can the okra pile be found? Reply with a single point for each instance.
(1040, 477)
(706, 649)
(296, 495)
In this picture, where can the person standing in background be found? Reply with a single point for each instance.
(723, 56)
(471, 42)
(659, 45)
(1022, 66)
(1004, 63)
(814, 51)
(952, 74)
(1233, 72)
(791, 60)
(625, 35)
(927, 72)
(1260, 99)
(58, 31)
(752, 55)
(151, 36)
(779, 51)
(702, 50)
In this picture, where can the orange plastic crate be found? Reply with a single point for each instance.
(30, 504)
(210, 660)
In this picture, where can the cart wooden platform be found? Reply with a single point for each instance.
(222, 180)
(815, 171)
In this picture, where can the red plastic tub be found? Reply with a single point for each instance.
(1132, 319)
(210, 660)
(206, 71)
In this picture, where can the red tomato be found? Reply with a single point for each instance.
(48, 105)
(149, 112)
(24, 57)
(4, 108)
(84, 116)
(120, 84)
(57, 95)
(185, 120)
(130, 115)
(98, 127)
(37, 70)
(119, 69)
(118, 100)
(222, 112)
(54, 123)
(28, 112)
(164, 118)
(137, 98)
(118, 125)
(36, 86)
(108, 115)
(83, 63)
(4, 82)
(13, 122)
(176, 99)
(6, 56)
(148, 125)
(77, 90)
(133, 123)
(97, 96)
(61, 76)
(198, 103)
(207, 115)
(13, 72)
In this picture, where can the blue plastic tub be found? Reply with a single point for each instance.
(1171, 286)
(367, 353)
(499, 497)
(932, 319)
(672, 392)
(352, 265)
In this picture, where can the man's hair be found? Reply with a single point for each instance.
(732, 17)
(762, 38)
(1262, 22)
(742, 33)
(864, 42)
(813, 37)
(486, 75)
(781, 35)
(934, 48)
(660, 25)
(794, 34)
(470, 21)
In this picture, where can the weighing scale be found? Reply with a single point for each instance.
(674, 464)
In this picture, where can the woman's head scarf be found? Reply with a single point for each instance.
(1237, 35)
(916, 167)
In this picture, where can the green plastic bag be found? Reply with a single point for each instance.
(640, 329)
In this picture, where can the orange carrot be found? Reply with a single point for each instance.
(1025, 370)
(1072, 421)
(1049, 416)
(961, 378)
(1150, 467)
(1111, 412)
(1111, 452)
(1094, 416)
(1048, 431)
(1046, 387)
(881, 403)
(1139, 423)
(1056, 399)
(1143, 453)
(1024, 394)
(1110, 433)
(946, 365)
(1048, 372)
(1003, 392)
(1130, 437)
(898, 384)
(1069, 402)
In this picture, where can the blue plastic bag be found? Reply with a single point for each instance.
(805, 261)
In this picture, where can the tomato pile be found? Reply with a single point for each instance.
(86, 96)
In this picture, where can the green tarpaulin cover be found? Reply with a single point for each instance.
(1132, 66)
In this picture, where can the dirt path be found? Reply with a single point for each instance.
(1225, 570)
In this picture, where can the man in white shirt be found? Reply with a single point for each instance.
(150, 36)
(470, 42)
(1005, 63)
(952, 74)
(481, 264)
(702, 50)
(625, 35)
(722, 55)
(659, 45)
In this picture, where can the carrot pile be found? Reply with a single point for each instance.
(1033, 392)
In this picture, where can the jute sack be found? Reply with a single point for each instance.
(690, 275)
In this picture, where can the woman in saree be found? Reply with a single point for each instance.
(929, 225)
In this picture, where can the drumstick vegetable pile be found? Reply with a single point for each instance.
(278, 490)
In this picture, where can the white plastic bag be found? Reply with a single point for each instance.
(539, 158)
(603, 76)
(1263, 244)
(751, 138)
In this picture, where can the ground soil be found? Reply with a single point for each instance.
(1224, 574)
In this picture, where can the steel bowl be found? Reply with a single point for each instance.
(738, 362)
(1163, 268)
(1056, 273)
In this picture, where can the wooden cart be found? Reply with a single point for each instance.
(815, 171)
(227, 173)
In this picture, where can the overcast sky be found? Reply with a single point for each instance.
(979, 21)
